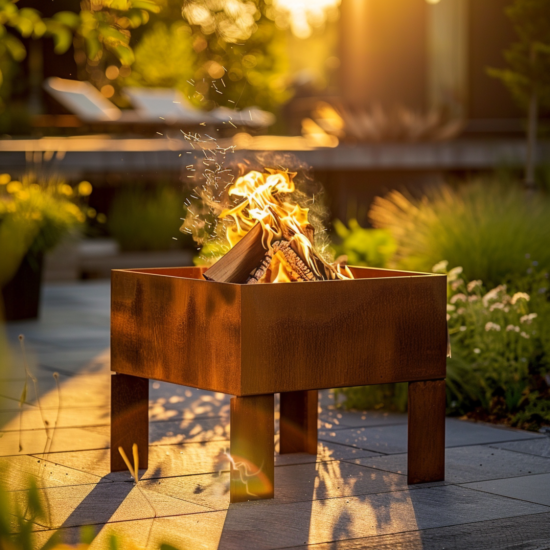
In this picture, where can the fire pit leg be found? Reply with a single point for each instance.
(129, 419)
(252, 447)
(299, 422)
(426, 453)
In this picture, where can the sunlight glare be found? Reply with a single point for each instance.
(305, 14)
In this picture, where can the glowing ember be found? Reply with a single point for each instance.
(287, 235)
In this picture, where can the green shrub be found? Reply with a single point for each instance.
(500, 364)
(485, 227)
(370, 247)
(141, 219)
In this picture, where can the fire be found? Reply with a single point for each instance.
(287, 235)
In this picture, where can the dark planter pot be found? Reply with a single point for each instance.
(21, 296)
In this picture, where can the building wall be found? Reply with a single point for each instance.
(383, 57)
(421, 54)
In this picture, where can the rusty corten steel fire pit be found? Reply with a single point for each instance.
(253, 341)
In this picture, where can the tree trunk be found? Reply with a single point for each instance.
(531, 142)
(530, 161)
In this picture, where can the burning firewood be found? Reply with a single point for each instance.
(271, 238)
(302, 271)
(240, 261)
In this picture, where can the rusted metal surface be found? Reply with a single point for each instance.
(426, 445)
(180, 330)
(129, 419)
(384, 326)
(298, 422)
(252, 447)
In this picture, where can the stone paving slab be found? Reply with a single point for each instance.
(325, 452)
(295, 483)
(189, 532)
(468, 464)
(393, 439)
(188, 431)
(538, 447)
(205, 531)
(65, 439)
(86, 390)
(188, 459)
(106, 503)
(518, 533)
(535, 488)
(30, 418)
(15, 472)
(355, 419)
(263, 526)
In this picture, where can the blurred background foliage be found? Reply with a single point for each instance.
(235, 46)
(27, 23)
(35, 215)
(486, 226)
(147, 219)
(370, 247)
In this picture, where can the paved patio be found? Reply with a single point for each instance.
(354, 495)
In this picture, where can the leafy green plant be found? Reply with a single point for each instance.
(484, 226)
(371, 247)
(141, 219)
(34, 217)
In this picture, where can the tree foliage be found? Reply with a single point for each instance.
(164, 57)
(230, 53)
(529, 58)
(106, 25)
(27, 23)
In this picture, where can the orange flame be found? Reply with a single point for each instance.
(265, 200)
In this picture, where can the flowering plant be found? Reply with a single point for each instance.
(35, 216)
(499, 363)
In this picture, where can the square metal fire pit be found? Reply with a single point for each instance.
(253, 341)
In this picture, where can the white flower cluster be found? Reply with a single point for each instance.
(492, 326)
(520, 296)
(458, 298)
(493, 294)
(527, 319)
(472, 285)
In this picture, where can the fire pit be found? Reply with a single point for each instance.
(254, 340)
(230, 329)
